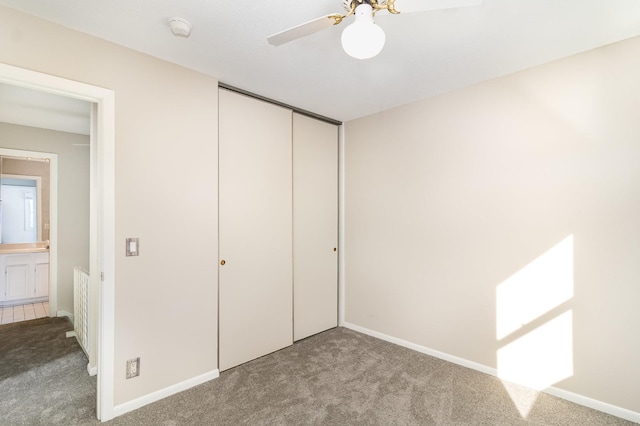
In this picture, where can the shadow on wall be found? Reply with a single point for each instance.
(534, 325)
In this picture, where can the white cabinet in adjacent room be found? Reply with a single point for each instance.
(41, 269)
(18, 284)
(24, 277)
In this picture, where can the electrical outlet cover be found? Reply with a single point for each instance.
(133, 367)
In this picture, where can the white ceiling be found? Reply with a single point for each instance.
(425, 54)
(32, 108)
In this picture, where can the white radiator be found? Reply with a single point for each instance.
(81, 307)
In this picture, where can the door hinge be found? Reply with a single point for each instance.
(101, 276)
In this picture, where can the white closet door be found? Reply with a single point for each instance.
(255, 196)
(315, 226)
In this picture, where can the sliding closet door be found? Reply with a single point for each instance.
(315, 226)
(255, 229)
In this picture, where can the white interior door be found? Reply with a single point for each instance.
(315, 230)
(255, 236)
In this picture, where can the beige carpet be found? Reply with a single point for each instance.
(339, 377)
(43, 375)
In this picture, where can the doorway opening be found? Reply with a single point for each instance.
(102, 214)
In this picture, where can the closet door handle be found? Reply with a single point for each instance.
(222, 262)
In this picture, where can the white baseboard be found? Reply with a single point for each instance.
(65, 314)
(121, 409)
(623, 413)
(614, 410)
(422, 349)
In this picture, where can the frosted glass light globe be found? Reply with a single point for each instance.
(363, 39)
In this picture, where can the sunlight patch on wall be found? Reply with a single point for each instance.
(539, 358)
(536, 351)
(542, 285)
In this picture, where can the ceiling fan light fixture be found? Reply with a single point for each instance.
(363, 39)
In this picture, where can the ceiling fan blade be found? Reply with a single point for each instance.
(409, 6)
(301, 30)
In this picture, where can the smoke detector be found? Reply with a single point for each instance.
(180, 27)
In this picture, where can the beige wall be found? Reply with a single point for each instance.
(73, 196)
(449, 198)
(165, 299)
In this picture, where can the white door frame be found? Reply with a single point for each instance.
(102, 212)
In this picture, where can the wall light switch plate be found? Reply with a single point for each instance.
(133, 247)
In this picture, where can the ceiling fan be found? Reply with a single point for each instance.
(364, 39)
